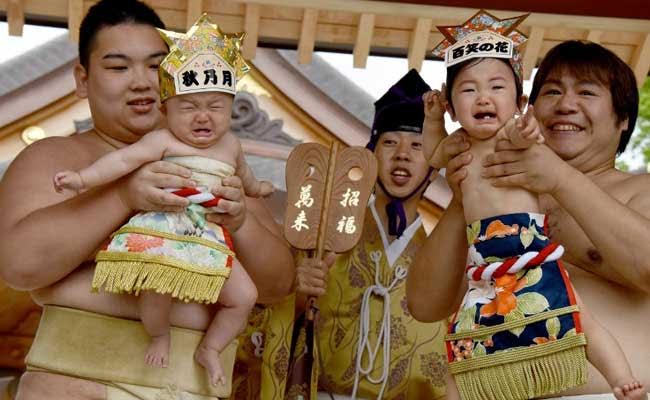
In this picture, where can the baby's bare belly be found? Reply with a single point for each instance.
(482, 200)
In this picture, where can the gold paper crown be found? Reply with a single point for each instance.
(483, 35)
(202, 60)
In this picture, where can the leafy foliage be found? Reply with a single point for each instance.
(641, 140)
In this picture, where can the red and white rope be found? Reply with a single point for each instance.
(198, 195)
(512, 265)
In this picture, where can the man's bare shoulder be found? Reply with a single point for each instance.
(27, 183)
(635, 188)
(58, 152)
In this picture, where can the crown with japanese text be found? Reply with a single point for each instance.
(483, 36)
(202, 60)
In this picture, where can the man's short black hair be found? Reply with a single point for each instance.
(108, 13)
(587, 60)
(454, 70)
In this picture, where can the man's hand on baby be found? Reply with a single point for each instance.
(527, 168)
(143, 190)
(440, 157)
(70, 180)
(456, 148)
(232, 203)
(522, 132)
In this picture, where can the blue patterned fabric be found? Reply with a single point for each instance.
(512, 297)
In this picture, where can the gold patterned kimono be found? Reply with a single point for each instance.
(263, 355)
(365, 284)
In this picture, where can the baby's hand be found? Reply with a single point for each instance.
(434, 104)
(439, 159)
(522, 132)
(68, 180)
(433, 128)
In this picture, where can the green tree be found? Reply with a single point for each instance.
(641, 139)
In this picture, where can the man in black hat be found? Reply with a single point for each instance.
(370, 346)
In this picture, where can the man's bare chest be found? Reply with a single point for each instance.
(563, 229)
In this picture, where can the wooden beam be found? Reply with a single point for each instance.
(307, 35)
(265, 149)
(75, 15)
(251, 27)
(459, 14)
(640, 62)
(51, 10)
(194, 11)
(533, 47)
(364, 39)
(419, 42)
(594, 35)
(16, 17)
(337, 22)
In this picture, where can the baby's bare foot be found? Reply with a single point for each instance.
(157, 354)
(209, 358)
(630, 391)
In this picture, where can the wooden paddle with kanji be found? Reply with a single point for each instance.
(327, 195)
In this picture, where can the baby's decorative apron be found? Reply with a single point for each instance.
(517, 334)
(180, 254)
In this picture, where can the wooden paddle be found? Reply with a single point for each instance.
(327, 194)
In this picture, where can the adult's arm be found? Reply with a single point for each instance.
(252, 186)
(435, 279)
(46, 235)
(258, 241)
(619, 231)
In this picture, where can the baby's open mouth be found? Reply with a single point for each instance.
(202, 132)
(485, 115)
